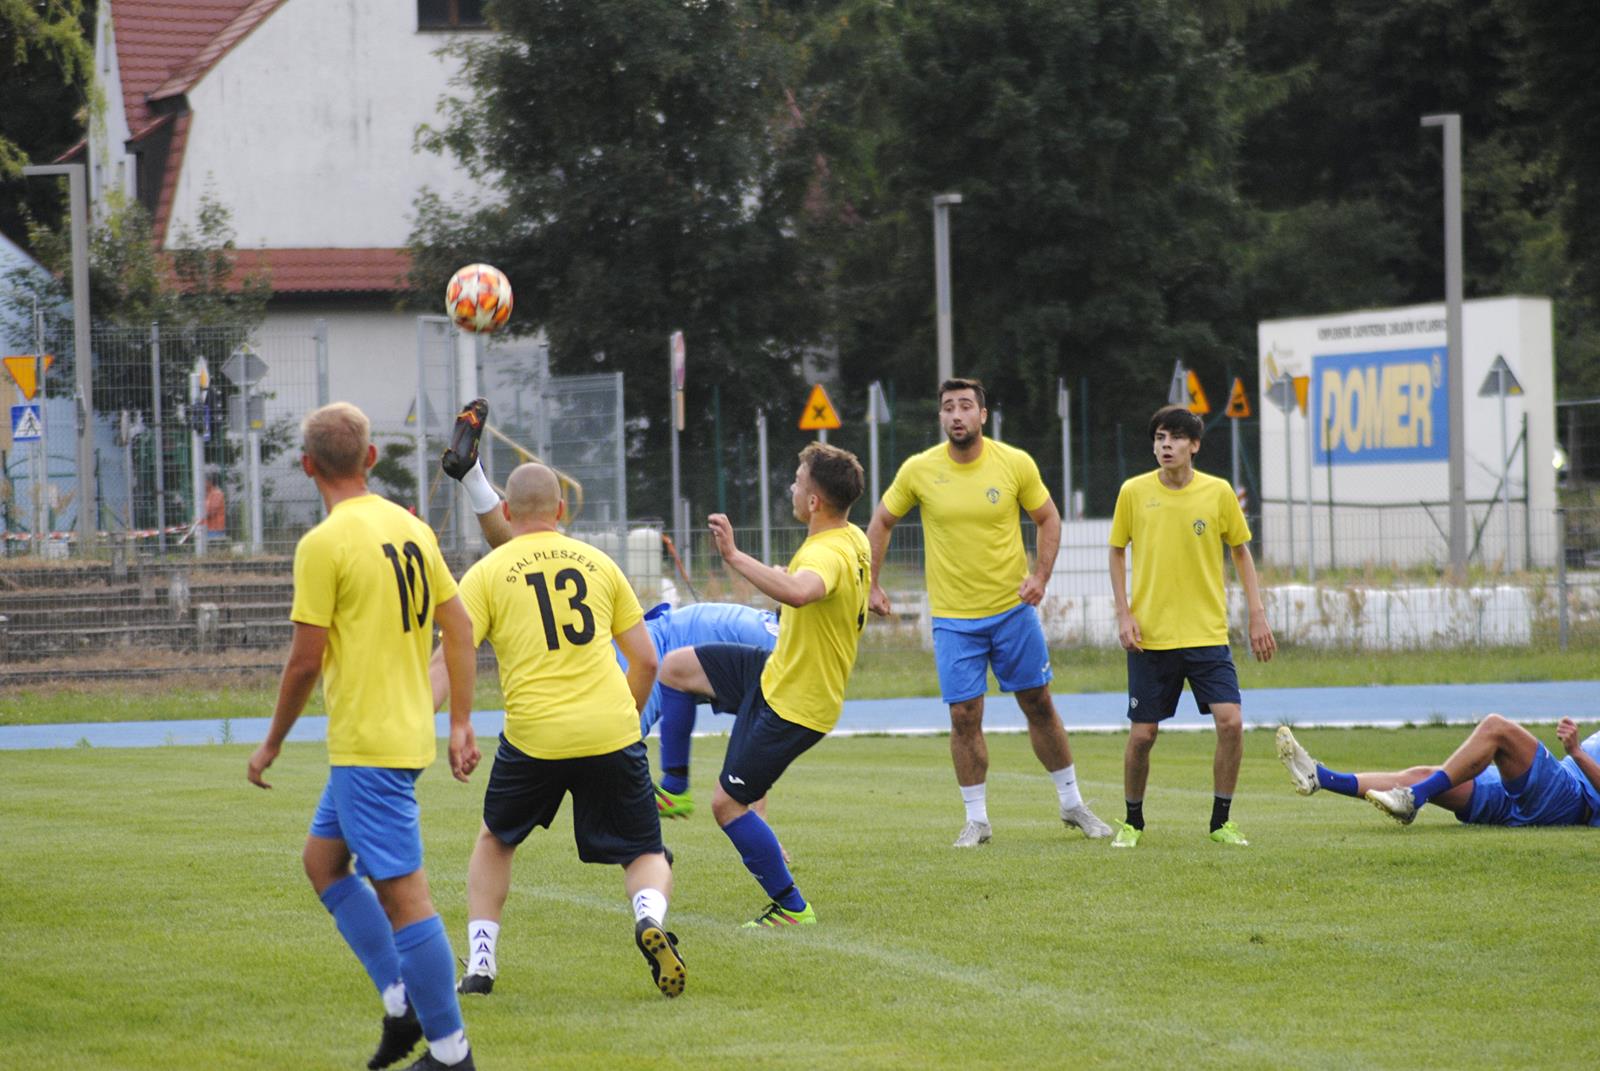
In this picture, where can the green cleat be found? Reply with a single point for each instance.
(776, 915)
(1228, 833)
(1127, 836)
(674, 804)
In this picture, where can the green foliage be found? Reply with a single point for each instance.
(46, 65)
(394, 476)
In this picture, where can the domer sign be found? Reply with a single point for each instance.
(1359, 474)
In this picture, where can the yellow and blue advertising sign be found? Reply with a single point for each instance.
(1387, 407)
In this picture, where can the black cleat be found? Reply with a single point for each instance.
(660, 950)
(400, 1035)
(462, 452)
(475, 985)
(428, 1063)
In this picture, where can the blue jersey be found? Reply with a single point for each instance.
(1551, 794)
(702, 623)
(1592, 747)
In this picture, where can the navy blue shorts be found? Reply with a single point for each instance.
(763, 744)
(614, 815)
(1155, 680)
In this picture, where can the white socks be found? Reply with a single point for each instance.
(480, 493)
(481, 938)
(450, 1049)
(394, 999)
(1066, 780)
(976, 799)
(650, 904)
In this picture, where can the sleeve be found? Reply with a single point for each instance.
(1031, 491)
(316, 584)
(901, 495)
(1235, 529)
(826, 562)
(1122, 519)
(625, 609)
(474, 592)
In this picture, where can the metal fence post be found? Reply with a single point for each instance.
(320, 333)
(1561, 572)
(160, 446)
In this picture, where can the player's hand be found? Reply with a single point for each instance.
(722, 534)
(1567, 733)
(1128, 633)
(1031, 590)
(260, 759)
(464, 753)
(878, 600)
(1262, 644)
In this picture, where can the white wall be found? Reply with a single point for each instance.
(111, 167)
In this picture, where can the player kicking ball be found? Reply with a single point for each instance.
(1502, 775)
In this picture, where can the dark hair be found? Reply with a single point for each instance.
(835, 473)
(962, 384)
(1177, 421)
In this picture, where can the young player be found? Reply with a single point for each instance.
(787, 701)
(369, 587)
(1176, 626)
(1502, 775)
(552, 606)
(984, 596)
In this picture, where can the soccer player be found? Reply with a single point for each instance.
(983, 595)
(786, 701)
(1176, 627)
(552, 606)
(1502, 775)
(369, 587)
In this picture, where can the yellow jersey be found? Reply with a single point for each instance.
(551, 604)
(1178, 595)
(371, 574)
(975, 561)
(804, 677)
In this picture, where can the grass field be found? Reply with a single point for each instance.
(155, 916)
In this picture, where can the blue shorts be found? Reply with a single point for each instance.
(964, 648)
(1155, 680)
(614, 814)
(374, 811)
(1549, 794)
(763, 744)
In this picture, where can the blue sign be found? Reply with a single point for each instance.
(27, 423)
(1389, 407)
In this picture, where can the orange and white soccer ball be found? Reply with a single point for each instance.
(478, 298)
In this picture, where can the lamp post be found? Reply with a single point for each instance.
(1451, 124)
(77, 190)
(941, 278)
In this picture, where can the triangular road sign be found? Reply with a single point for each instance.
(819, 413)
(1238, 403)
(1177, 389)
(1302, 387)
(23, 369)
(1499, 381)
(1197, 395)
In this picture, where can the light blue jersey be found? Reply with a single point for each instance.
(698, 624)
(1550, 794)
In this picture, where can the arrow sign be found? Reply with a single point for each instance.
(819, 413)
(1499, 383)
(24, 369)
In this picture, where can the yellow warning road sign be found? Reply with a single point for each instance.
(819, 413)
(1302, 385)
(1238, 403)
(24, 368)
(1197, 395)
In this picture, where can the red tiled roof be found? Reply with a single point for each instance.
(184, 77)
(158, 38)
(327, 271)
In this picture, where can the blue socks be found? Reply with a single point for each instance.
(677, 724)
(763, 857)
(429, 969)
(365, 928)
(1423, 791)
(1342, 783)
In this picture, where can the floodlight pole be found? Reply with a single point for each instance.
(1451, 124)
(941, 279)
(82, 359)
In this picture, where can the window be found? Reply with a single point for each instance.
(450, 15)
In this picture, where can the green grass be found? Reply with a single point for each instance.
(156, 917)
(883, 671)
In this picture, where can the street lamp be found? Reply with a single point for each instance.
(941, 277)
(1451, 125)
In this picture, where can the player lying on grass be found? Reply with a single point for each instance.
(1501, 776)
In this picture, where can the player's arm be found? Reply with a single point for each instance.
(1048, 520)
(636, 647)
(791, 589)
(878, 530)
(494, 525)
(300, 672)
(1567, 732)
(1262, 645)
(1128, 633)
(461, 669)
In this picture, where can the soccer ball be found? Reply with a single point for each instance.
(478, 298)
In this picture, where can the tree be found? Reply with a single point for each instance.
(46, 65)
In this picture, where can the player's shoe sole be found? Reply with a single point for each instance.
(462, 453)
(777, 916)
(1086, 822)
(973, 834)
(660, 950)
(1398, 803)
(400, 1035)
(1301, 766)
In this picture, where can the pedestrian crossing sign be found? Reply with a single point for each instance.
(27, 423)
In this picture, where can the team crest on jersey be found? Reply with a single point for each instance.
(992, 494)
(1199, 527)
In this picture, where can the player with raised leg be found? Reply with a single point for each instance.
(1501, 775)
(1176, 626)
(786, 702)
(983, 596)
(369, 587)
